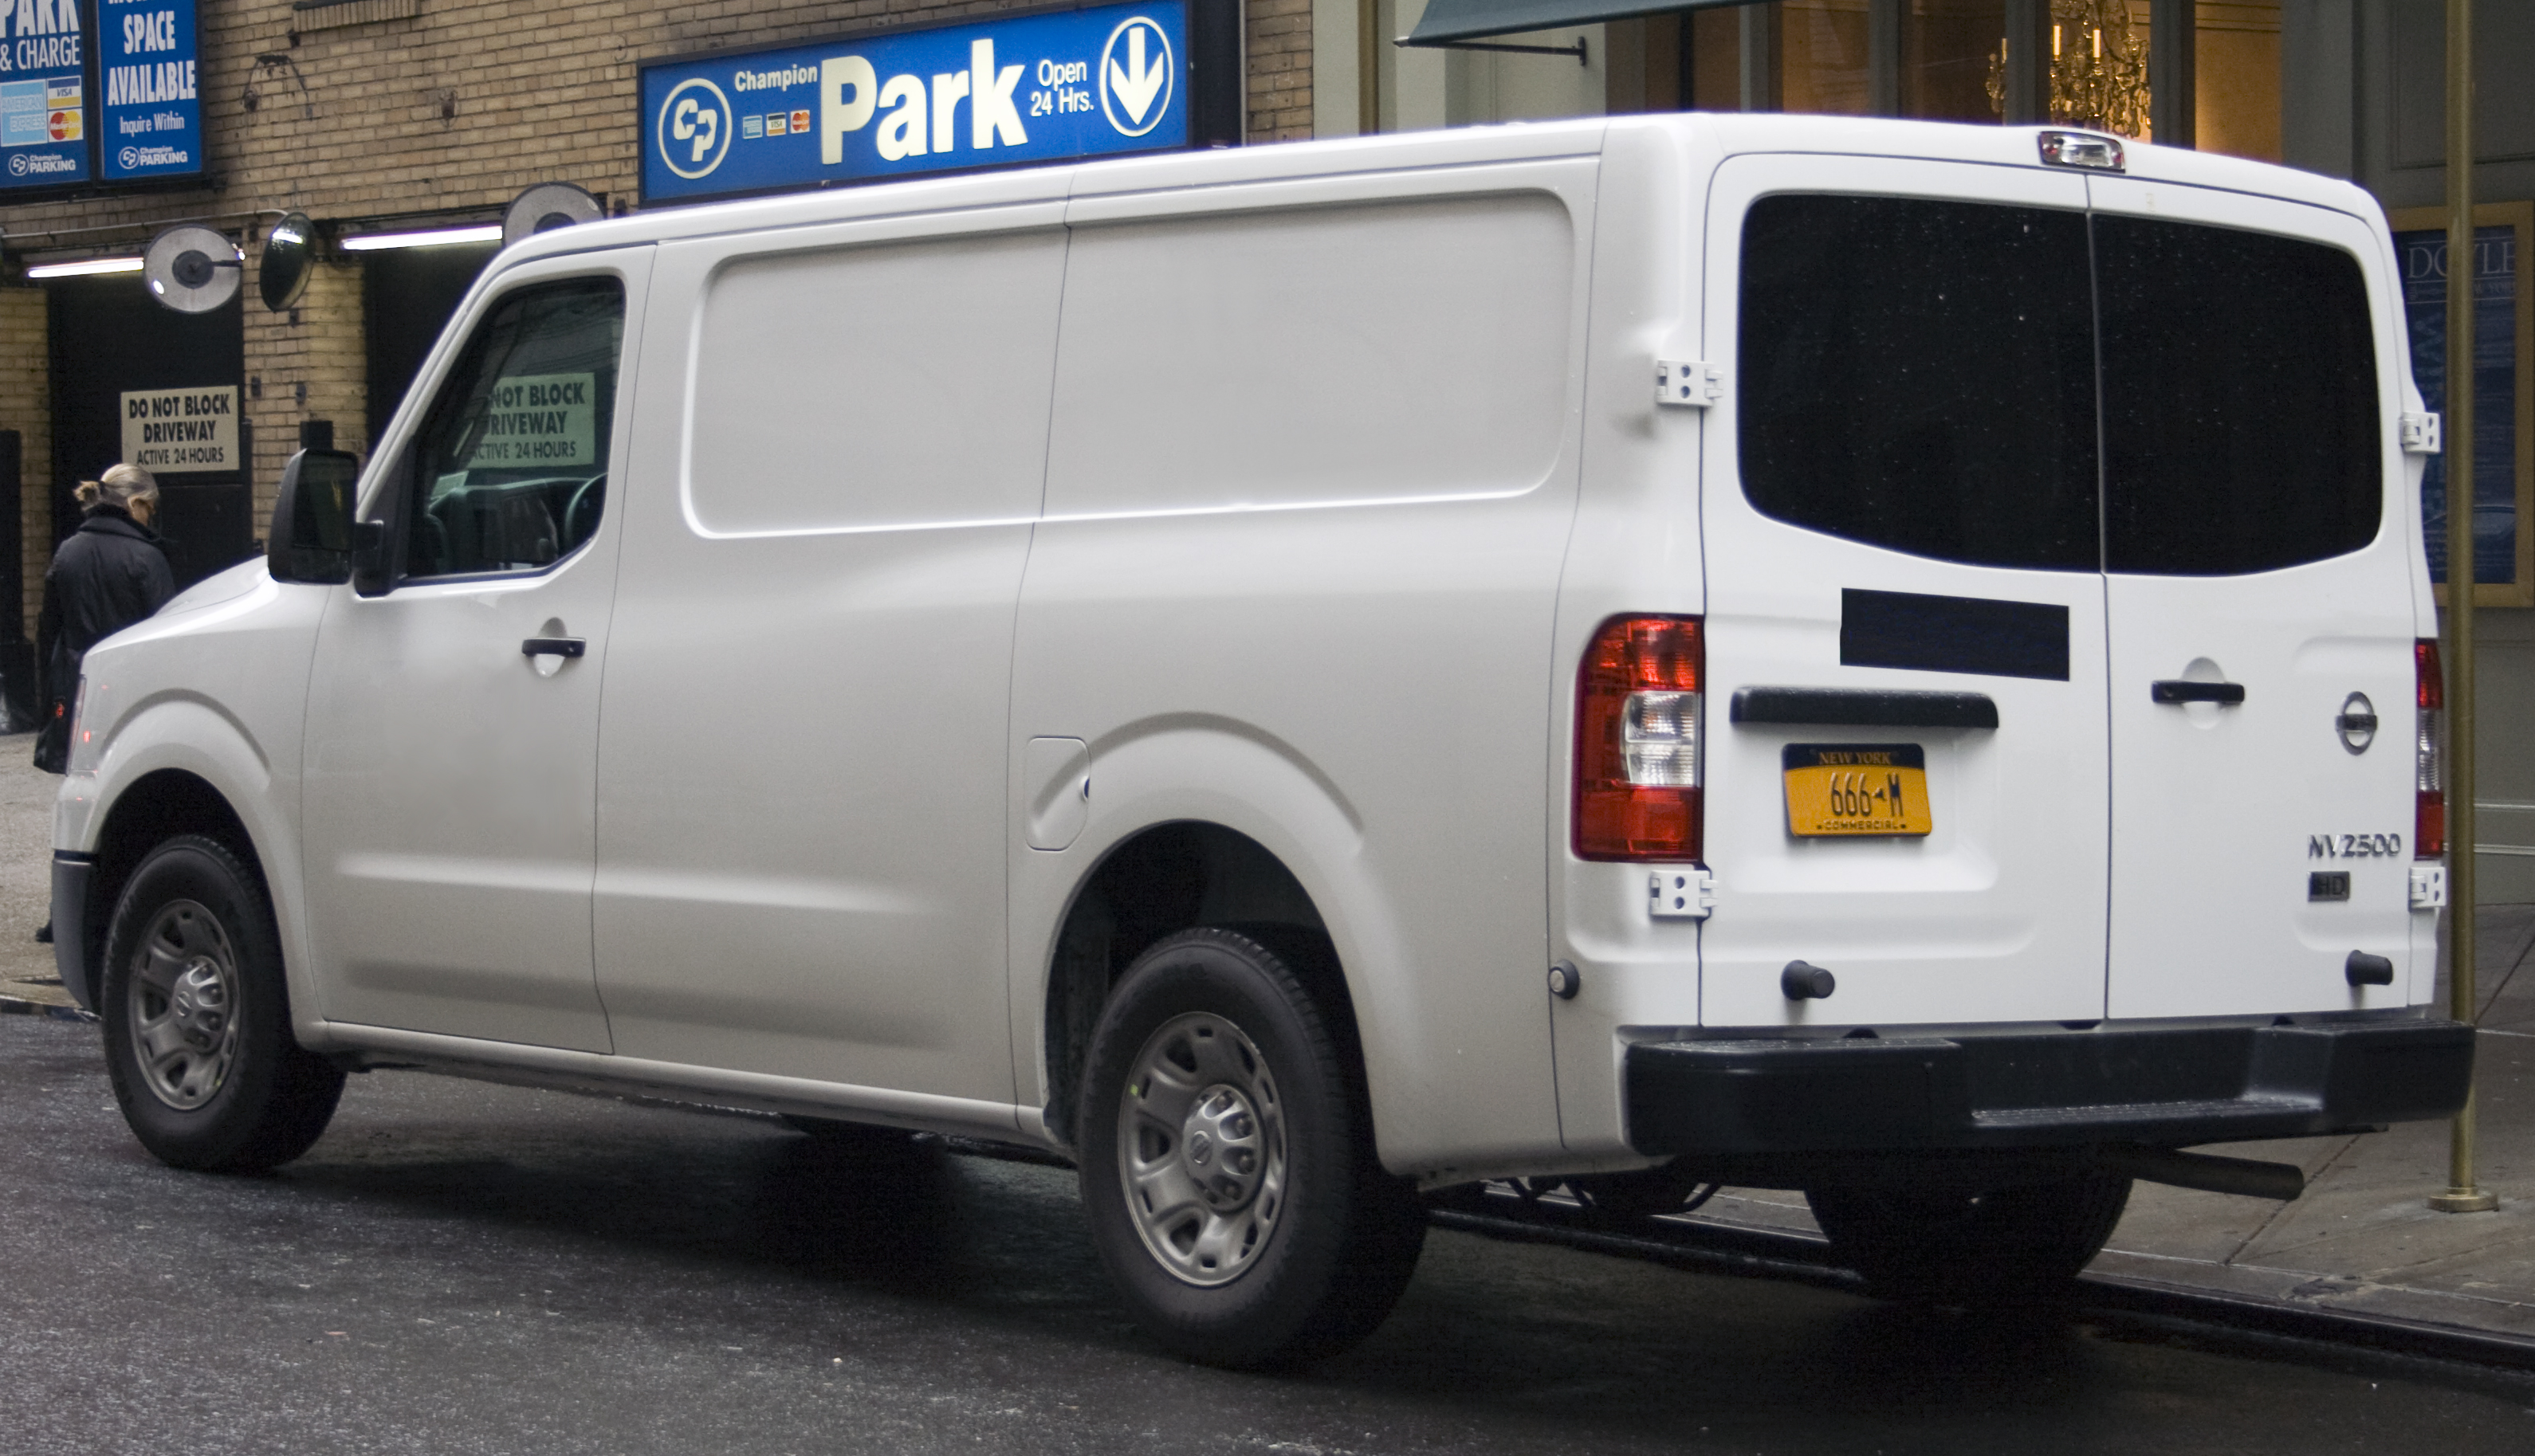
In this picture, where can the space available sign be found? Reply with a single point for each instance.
(1038, 88)
(171, 432)
(43, 94)
(151, 119)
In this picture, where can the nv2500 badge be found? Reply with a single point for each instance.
(2354, 846)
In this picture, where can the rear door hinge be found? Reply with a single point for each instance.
(2421, 431)
(1687, 382)
(2429, 886)
(1684, 893)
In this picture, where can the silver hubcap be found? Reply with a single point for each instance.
(1202, 1148)
(183, 1005)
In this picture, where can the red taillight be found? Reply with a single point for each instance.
(1637, 741)
(2429, 697)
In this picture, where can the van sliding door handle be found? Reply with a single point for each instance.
(2225, 695)
(555, 647)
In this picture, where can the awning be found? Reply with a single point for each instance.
(1448, 21)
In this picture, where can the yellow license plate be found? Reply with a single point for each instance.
(1857, 788)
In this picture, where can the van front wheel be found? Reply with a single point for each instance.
(197, 1019)
(2011, 1246)
(1227, 1165)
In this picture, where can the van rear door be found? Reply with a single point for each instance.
(2260, 609)
(1902, 548)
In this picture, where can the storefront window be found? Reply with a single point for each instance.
(1823, 56)
(1715, 60)
(1948, 50)
(1835, 57)
(1423, 87)
(2098, 66)
(2238, 98)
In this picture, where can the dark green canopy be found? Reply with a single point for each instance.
(1468, 19)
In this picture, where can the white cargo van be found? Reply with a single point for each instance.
(1892, 660)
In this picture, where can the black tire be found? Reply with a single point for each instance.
(197, 1018)
(1317, 1242)
(2020, 1244)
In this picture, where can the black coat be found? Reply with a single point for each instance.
(110, 574)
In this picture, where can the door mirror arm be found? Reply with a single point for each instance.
(372, 564)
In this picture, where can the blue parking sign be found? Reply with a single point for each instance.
(44, 115)
(1041, 87)
(151, 120)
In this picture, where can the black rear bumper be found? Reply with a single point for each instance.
(2165, 1087)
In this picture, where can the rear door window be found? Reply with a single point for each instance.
(2241, 427)
(1920, 374)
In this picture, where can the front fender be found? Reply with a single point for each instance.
(217, 693)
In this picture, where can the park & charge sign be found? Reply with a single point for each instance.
(1039, 87)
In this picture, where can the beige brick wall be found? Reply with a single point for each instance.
(316, 347)
(26, 407)
(1278, 38)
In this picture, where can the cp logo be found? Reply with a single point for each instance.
(130, 156)
(695, 128)
(18, 166)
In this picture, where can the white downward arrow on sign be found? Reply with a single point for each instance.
(1138, 84)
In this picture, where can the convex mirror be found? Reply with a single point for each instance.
(311, 539)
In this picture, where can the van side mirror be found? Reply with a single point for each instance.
(311, 538)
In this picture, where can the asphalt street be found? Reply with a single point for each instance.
(460, 1268)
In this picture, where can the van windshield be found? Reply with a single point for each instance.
(1927, 376)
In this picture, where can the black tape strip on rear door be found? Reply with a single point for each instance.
(1953, 634)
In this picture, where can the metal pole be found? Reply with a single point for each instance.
(2461, 1195)
(2173, 48)
(1368, 63)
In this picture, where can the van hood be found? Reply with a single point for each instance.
(220, 586)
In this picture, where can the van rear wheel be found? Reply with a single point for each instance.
(2017, 1244)
(1228, 1164)
(197, 1019)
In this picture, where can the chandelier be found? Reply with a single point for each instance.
(2098, 69)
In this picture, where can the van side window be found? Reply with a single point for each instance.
(510, 469)
(1920, 376)
(2241, 418)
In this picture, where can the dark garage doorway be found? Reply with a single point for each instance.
(109, 337)
(406, 298)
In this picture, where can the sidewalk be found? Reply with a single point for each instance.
(27, 980)
(2362, 1238)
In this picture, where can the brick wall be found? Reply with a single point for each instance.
(306, 364)
(1278, 36)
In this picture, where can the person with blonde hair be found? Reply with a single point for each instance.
(111, 572)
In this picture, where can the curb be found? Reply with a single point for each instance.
(2167, 1309)
(19, 1005)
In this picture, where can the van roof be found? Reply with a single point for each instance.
(1717, 134)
